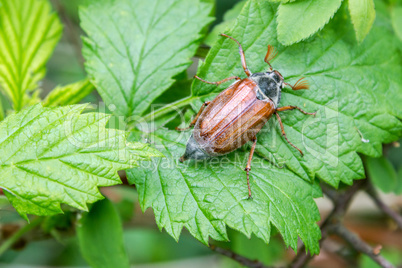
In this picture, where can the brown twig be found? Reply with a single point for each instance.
(359, 245)
(382, 206)
(238, 258)
(341, 202)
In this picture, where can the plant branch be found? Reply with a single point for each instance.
(359, 244)
(18, 234)
(238, 258)
(382, 206)
(341, 202)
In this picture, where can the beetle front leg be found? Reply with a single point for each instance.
(219, 82)
(248, 167)
(284, 134)
(196, 117)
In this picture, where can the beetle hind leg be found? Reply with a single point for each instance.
(248, 167)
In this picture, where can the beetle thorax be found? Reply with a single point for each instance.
(270, 85)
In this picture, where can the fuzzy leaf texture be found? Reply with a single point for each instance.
(300, 19)
(29, 32)
(362, 13)
(135, 47)
(348, 83)
(207, 196)
(58, 155)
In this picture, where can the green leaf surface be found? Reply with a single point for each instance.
(69, 94)
(100, 236)
(204, 197)
(362, 13)
(396, 16)
(347, 88)
(300, 19)
(29, 32)
(58, 155)
(382, 173)
(135, 47)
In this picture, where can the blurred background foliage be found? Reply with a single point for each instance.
(56, 243)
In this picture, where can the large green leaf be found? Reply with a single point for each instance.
(135, 47)
(206, 196)
(348, 85)
(362, 13)
(29, 32)
(58, 155)
(299, 20)
(100, 236)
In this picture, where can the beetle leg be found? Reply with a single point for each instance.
(284, 134)
(271, 53)
(242, 56)
(219, 82)
(299, 84)
(196, 117)
(248, 167)
(290, 107)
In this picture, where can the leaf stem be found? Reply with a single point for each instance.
(169, 108)
(17, 235)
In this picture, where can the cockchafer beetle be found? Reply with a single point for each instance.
(239, 112)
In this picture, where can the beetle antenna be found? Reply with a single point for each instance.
(242, 56)
(271, 53)
(300, 84)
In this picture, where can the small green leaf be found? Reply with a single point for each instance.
(396, 16)
(382, 173)
(362, 13)
(58, 155)
(69, 94)
(135, 47)
(204, 197)
(300, 19)
(229, 18)
(29, 32)
(100, 236)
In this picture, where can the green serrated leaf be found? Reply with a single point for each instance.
(347, 88)
(58, 155)
(382, 173)
(396, 16)
(69, 94)
(100, 236)
(204, 197)
(29, 32)
(140, 46)
(300, 19)
(362, 13)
